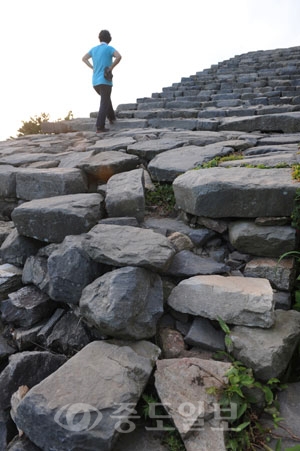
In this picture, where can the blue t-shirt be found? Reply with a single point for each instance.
(102, 56)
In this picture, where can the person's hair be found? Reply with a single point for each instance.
(105, 36)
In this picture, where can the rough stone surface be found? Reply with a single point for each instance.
(26, 368)
(70, 269)
(124, 303)
(125, 195)
(26, 307)
(266, 241)
(181, 385)
(110, 377)
(280, 274)
(236, 300)
(268, 351)
(54, 218)
(128, 246)
(41, 183)
(222, 193)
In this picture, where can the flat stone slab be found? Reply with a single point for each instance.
(236, 192)
(40, 183)
(117, 143)
(149, 149)
(284, 123)
(237, 300)
(102, 166)
(182, 387)
(83, 403)
(125, 195)
(53, 218)
(264, 241)
(267, 351)
(128, 246)
(168, 165)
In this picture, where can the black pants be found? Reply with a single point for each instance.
(106, 109)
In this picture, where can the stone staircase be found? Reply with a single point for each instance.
(75, 228)
(252, 84)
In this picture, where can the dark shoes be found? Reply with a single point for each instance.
(102, 130)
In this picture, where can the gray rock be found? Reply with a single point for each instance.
(41, 183)
(47, 328)
(186, 264)
(102, 166)
(22, 444)
(6, 227)
(26, 339)
(26, 307)
(147, 150)
(35, 271)
(285, 122)
(114, 143)
(141, 439)
(68, 335)
(267, 351)
(124, 303)
(236, 300)
(202, 334)
(182, 387)
(99, 386)
(223, 193)
(70, 269)
(280, 274)
(125, 195)
(8, 181)
(17, 248)
(10, 279)
(166, 166)
(5, 349)
(124, 221)
(288, 430)
(53, 218)
(283, 300)
(264, 241)
(26, 368)
(128, 246)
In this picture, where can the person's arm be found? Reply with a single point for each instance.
(86, 59)
(117, 59)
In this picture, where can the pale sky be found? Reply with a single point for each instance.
(161, 41)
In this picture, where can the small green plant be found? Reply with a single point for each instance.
(162, 197)
(296, 172)
(243, 391)
(171, 438)
(217, 160)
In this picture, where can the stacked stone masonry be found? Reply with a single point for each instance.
(104, 298)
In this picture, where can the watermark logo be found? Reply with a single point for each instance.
(78, 417)
(81, 417)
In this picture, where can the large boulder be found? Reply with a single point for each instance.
(125, 195)
(70, 269)
(263, 241)
(100, 167)
(124, 303)
(128, 246)
(84, 404)
(182, 386)
(41, 183)
(53, 218)
(267, 351)
(236, 192)
(236, 300)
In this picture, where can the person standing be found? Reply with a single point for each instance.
(104, 60)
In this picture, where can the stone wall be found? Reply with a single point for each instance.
(98, 291)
